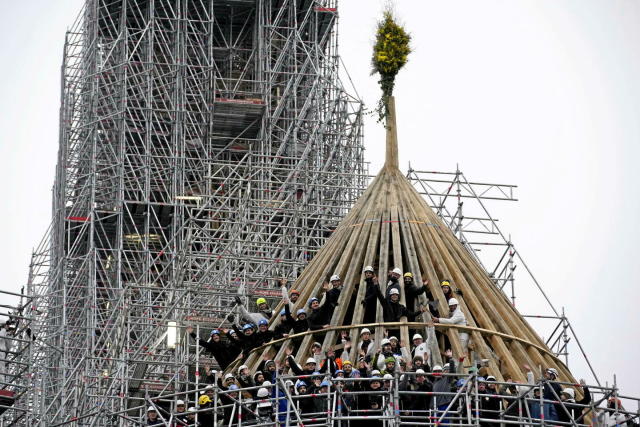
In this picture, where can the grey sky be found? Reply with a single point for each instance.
(543, 94)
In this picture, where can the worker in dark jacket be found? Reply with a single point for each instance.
(392, 309)
(248, 338)
(152, 417)
(551, 391)
(370, 296)
(264, 335)
(302, 323)
(411, 293)
(419, 402)
(319, 317)
(333, 294)
(286, 323)
(224, 353)
(488, 402)
(568, 397)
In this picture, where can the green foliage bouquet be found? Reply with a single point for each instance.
(390, 53)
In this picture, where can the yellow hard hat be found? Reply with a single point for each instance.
(408, 275)
(204, 399)
(445, 283)
(261, 301)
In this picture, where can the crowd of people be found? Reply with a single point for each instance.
(389, 378)
(252, 329)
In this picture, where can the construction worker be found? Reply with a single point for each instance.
(286, 323)
(248, 338)
(370, 296)
(181, 413)
(444, 383)
(264, 407)
(552, 391)
(423, 348)
(394, 280)
(264, 312)
(221, 351)
(573, 407)
(294, 295)
(366, 346)
(302, 323)
(411, 292)
(308, 369)
(456, 317)
(448, 291)
(152, 417)
(264, 335)
(392, 310)
(419, 382)
(320, 314)
(333, 294)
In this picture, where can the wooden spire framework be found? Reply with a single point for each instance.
(392, 226)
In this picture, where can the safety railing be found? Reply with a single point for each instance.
(404, 398)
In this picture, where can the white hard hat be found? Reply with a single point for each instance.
(570, 392)
(420, 371)
(385, 341)
(393, 338)
(491, 378)
(229, 375)
(311, 360)
(453, 301)
(394, 291)
(397, 271)
(266, 383)
(179, 402)
(365, 331)
(151, 408)
(334, 277)
(263, 392)
(437, 368)
(553, 371)
(242, 367)
(416, 337)
(209, 387)
(375, 372)
(191, 409)
(368, 268)
(387, 377)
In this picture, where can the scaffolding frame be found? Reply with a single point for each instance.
(446, 193)
(206, 146)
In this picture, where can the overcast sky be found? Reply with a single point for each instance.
(544, 94)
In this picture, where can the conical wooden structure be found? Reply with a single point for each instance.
(392, 226)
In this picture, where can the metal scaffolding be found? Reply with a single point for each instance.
(463, 205)
(205, 146)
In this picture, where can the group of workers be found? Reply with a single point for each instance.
(428, 385)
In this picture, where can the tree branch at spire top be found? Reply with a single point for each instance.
(390, 53)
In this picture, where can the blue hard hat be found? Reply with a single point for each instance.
(312, 300)
(300, 383)
(460, 382)
(324, 383)
(263, 322)
(481, 379)
(247, 326)
(215, 332)
(232, 331)
(301, 311)
(233, 387)
(283, 312)
(339, 371)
